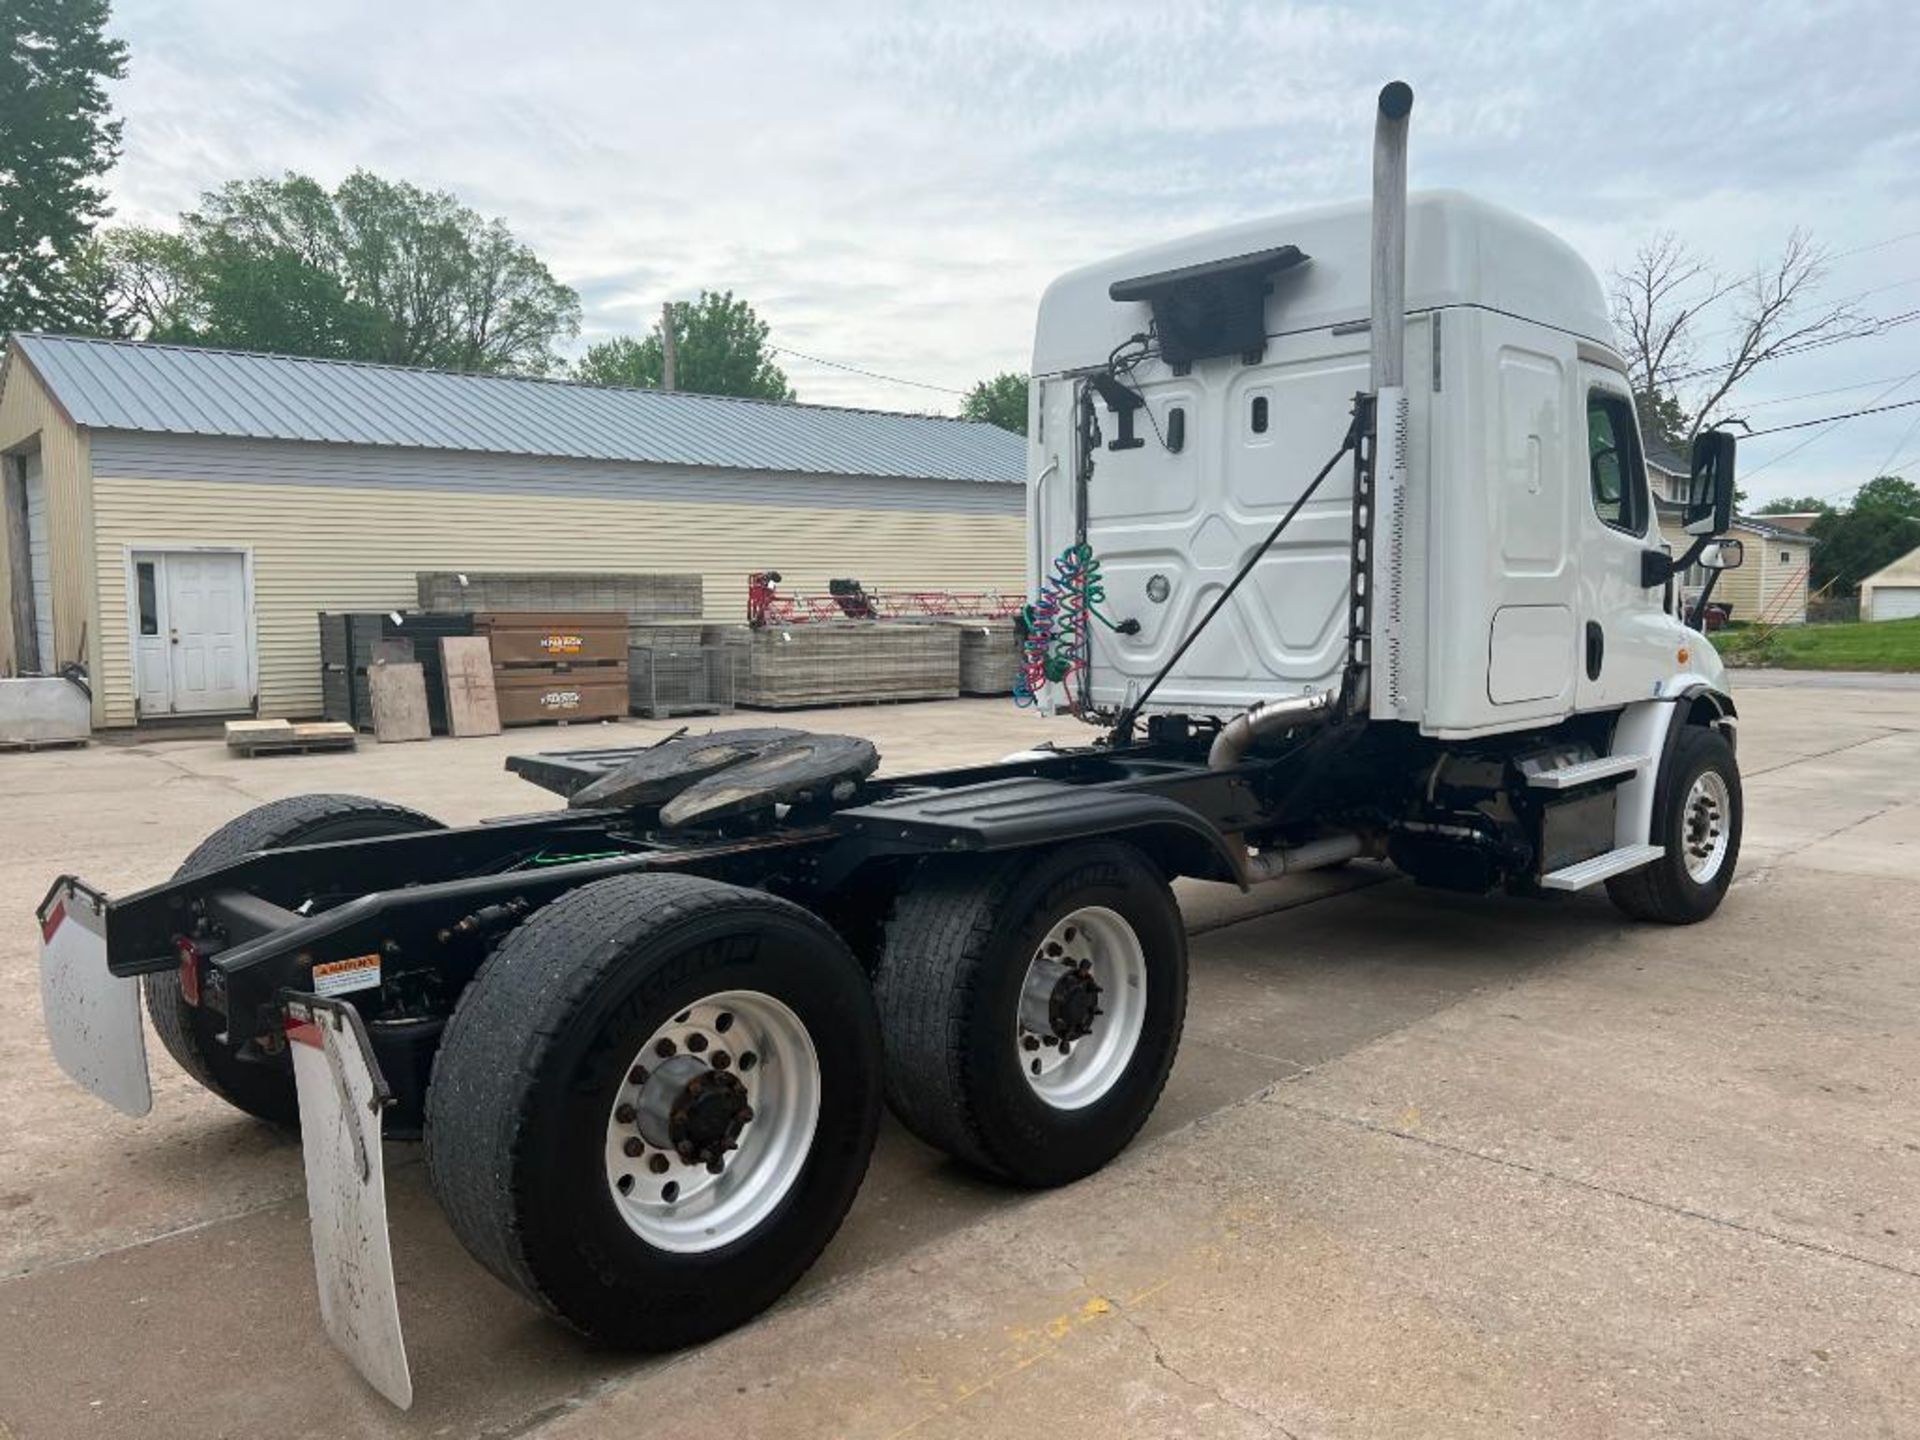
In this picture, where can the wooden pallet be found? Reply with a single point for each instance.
(65, 742)
(252, 738)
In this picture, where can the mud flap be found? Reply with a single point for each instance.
(342, 1096)
(92, 1016)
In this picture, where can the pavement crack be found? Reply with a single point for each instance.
(1823, 754)
(1684, 1212)
(1218, 1392)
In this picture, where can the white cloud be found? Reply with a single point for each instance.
(893, 185)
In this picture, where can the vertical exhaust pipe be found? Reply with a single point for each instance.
(1389, 329)
(1386, 492)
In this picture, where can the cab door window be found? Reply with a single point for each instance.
(1614, 464)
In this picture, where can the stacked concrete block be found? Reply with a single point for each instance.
(644, 599)
(854, 662)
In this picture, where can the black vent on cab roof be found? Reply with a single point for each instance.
(1216, 308)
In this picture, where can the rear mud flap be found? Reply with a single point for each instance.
(92, 1016)
(342, 1096)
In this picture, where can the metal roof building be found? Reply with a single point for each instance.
(208, 503)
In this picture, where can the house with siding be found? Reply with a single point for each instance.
(176, 517)
(1771, 583)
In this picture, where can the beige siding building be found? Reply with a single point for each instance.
(1893, 592)
(201, 507)
(1771, 583)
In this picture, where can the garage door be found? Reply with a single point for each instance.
(1896, 602)
(41, 560)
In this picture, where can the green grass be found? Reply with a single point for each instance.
(1885, 645)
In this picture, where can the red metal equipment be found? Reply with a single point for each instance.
(849, 600)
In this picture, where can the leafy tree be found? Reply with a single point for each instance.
(1796, 505)
(720, 348)
(374, 270)
(1000, 401)
(56, 140)
(1881, 525)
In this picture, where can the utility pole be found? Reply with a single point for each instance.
(667, 356)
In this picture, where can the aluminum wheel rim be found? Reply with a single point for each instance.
(1706, 828)
(1073, 1074)
(684, 1207)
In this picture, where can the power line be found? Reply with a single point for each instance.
(1816, 394)
(1835, 419)
(1878, 326)
(869, 374)
(1831, 424)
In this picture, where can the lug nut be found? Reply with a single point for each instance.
(720, 1060)
(665, 1048)
(658, 1164)
(633, 1145)
(696, 1042)
(625, 1114)
(1029, 1042)
(1065, 1048)
(716, 1165)
(637, 1075)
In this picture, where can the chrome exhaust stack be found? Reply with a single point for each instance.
(1389, 296)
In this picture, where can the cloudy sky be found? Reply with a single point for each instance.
(892, 185)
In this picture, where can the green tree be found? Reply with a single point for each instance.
(1000, 401)
(720, 348)
(374, 270)
(56, 140)
(1796, 505)
(1881, 525)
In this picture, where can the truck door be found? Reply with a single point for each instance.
(1626, 642)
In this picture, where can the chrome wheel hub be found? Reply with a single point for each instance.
(1082, 1007)
(712, 1123)
(1706, 826)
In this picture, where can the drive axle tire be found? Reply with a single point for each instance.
(1698, 812)
(1031, 1007)
(263, 1087)
(654, 1104)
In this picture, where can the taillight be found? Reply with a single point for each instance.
(190, 960)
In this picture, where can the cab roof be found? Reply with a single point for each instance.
(1461, 251)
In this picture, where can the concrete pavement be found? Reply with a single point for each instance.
(1428, 1166)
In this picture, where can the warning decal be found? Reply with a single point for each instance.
(337, 977)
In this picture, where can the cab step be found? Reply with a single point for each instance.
(1585, 772)
(1602, 867)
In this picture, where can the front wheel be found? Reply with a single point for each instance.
(1031, 1007)
(1698, 813)
(654, 1104)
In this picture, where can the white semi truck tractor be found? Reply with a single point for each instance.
(1340, 536)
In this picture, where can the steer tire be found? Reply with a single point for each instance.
(1665, 891)
(524, 1112)
(261, 1087)
(949, 986)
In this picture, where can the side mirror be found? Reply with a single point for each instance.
(1723, 555)
(1710, 487)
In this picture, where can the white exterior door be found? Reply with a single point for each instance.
(40, 554)
(191, 640)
